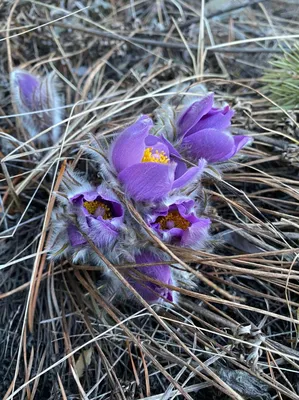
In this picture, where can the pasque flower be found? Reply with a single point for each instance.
(99, 215)
(32, 94)
(148, 166)
(203, 132)
(150, 291)
(176, 223)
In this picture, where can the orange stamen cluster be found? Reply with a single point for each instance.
(174, 217)
(92, 206)
(157, 157)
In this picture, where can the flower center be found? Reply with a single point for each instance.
(173, 220)
(99, 208)
(157, 157)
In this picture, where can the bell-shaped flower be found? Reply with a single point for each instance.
(176, 222)
(37, 99)
(203, 132)
(99, 215)
(152, 292)
(148, 166)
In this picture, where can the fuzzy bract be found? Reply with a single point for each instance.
(38, 100)
(175, 222)
(203, 132)
(148, 166)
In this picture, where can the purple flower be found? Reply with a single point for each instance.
(99, 215)
(150, 291)
(148, 166)
(32, 94)
(203, 132)
(178, 224)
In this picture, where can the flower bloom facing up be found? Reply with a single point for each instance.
(202, 130)
(32, 94)
(148, 166)
(178, 224)
(150, 291)
(99, 215)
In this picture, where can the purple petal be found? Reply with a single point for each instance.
(162, 273)
(211, 144)
(148, 181)
(27, 84)
(169, 295)
(240, 142)
(185, 207)
(79, 198)
(175, 156)
(157, 143)
(218, 119)
(197, 233)
(32, 94)
(90, 196)
(171, 150)
(102, 232)
(104, 195)
(75, 236)
(116, 206)
(150, 291)
(193, 114)
(128, 148)
(172, 232)
(190, 175)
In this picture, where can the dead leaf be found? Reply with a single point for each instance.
(83, 361)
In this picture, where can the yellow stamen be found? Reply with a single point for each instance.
(157, 157)
(92, 206)
(177, 220)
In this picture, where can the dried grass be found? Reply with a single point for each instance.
(235, 336)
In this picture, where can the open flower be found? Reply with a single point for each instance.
(177, 223)
(38, 100)
(148, 166)
(99, 215)
(150, 291)
(203, 132)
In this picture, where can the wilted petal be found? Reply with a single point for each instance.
(32, 94)
(190, 175)
(149, 291)
(211, 144)
(148, 181)
(128, 148)
(193, 114)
